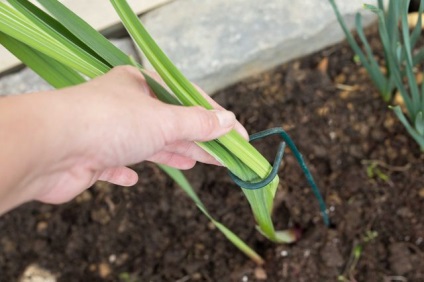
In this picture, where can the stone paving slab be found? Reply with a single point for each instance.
(219, 42)
(98, 13)
(26, 81)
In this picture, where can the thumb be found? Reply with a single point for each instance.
(199, 124)
(122, 176)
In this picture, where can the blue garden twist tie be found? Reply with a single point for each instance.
(277, 162)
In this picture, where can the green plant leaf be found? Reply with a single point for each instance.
(405, 31)
(392, 63)
(373, 69)
(85, 33)
(95, 43)
(25, 7)
(55, 73)
(418, 138)
(416, 32)
(419, 124)
(176, 81)
(379, 80)
(32, 32)
(391, 25)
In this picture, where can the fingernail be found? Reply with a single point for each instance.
(225, 118)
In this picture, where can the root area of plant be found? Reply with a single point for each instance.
(369, 170)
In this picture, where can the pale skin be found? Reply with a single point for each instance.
(56, 144)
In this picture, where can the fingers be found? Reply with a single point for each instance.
(238, 126)
(196, 124)
(186, 150)
(122, 176)
(173, 160)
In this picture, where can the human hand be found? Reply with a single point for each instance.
(114, 121)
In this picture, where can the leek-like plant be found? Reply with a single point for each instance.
(401, 60)
(63, 49)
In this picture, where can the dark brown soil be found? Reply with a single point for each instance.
(153, 232)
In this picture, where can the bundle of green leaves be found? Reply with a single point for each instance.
(401, 60)
(65, 50)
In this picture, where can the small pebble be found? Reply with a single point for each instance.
(211, 226)
(196, 276)
(34, 273)
(84, 197)
(112, 258)
(104, 270)
(101, 216)
(421, 193)
(42, 226)
(260, 273)
(92, 267)
(284, 253)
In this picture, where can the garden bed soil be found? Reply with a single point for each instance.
(153, 232)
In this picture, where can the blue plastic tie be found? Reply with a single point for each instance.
(277, 161)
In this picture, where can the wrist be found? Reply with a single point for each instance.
(34, 145)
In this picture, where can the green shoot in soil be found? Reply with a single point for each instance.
(401, 60)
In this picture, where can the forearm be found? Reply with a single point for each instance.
(28, 126)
